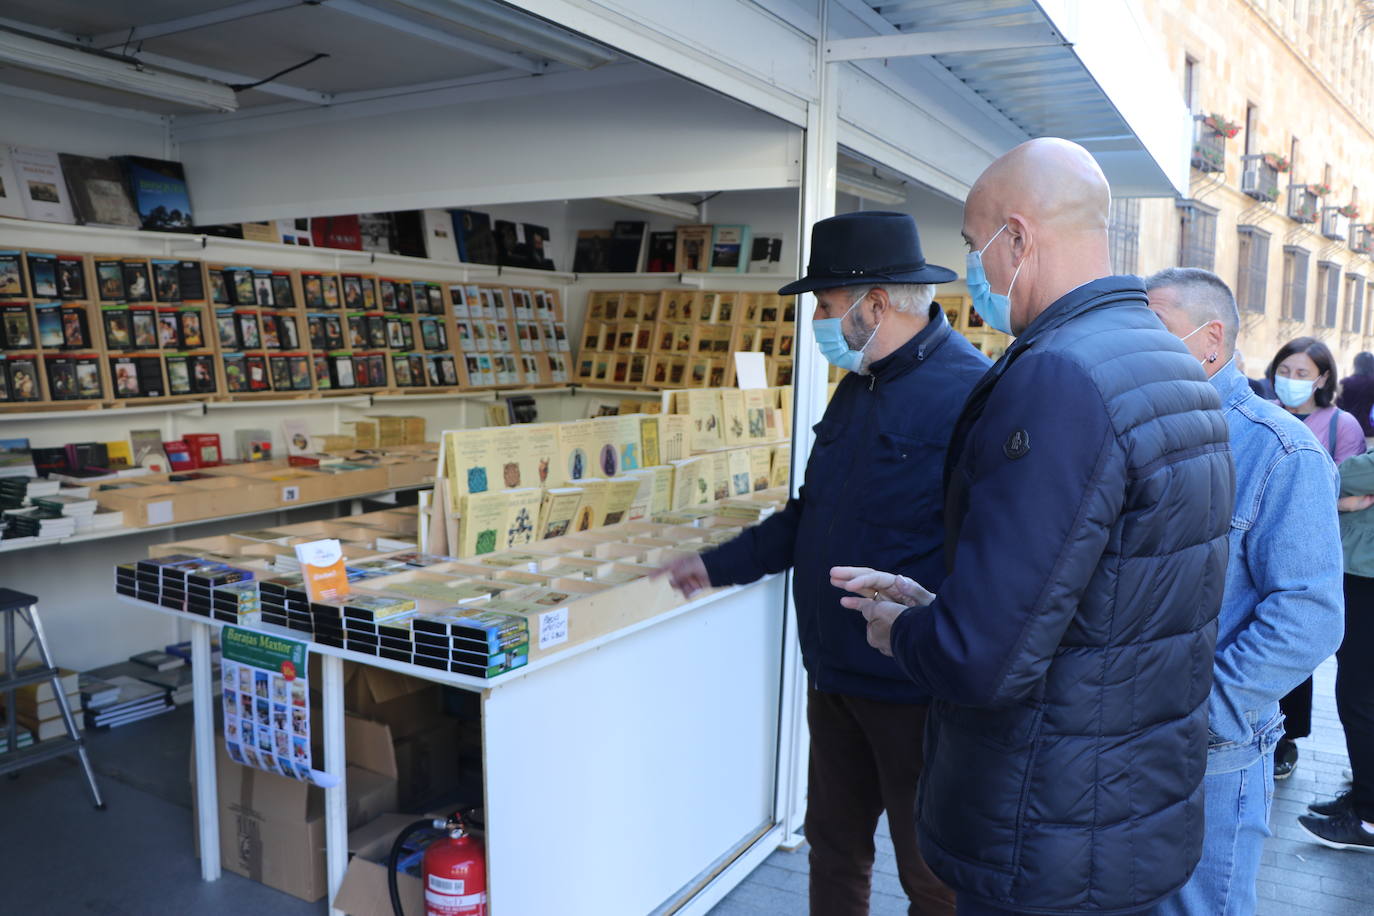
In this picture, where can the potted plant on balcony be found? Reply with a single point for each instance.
(1221, 126)
(1276, 162)
(1320, 190)
(1349, 211)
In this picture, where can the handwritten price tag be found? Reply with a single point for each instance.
(553, 628)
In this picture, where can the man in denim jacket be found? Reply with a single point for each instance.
(1282, 609)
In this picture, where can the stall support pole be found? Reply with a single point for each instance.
(810, 378)
(207, 783)
(335, 796)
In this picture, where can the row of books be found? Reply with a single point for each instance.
(628, 247)
(130, 191)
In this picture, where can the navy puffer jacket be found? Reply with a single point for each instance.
(1069, 651)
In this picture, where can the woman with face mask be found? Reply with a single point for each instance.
(1303, 377)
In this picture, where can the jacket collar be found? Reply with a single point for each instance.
(1231, 386)
(1091, 295)
(914, 351)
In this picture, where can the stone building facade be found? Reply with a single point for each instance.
(1281, 203)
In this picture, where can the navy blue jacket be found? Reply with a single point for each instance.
(1069, 651)
(872, 497)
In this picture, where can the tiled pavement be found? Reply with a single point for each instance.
(1297, 877)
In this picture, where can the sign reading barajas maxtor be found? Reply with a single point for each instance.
(266, 702)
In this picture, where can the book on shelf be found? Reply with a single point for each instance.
(474, 237)
(662, 253)
(38, 174)
(11, 201)
(157, 660)
(765, 254)
(628, 246)
(693, 248)
(730, 250)
(592, 254)
(100, 196)
(159, 192)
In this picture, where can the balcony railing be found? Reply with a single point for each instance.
(1361, 239)
(1259, 179)
(1334, 225)
(1303, 204)
(1209, 147)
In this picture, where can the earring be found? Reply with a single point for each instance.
(1211, 357)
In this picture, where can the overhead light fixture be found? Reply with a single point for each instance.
(870, 187)
(112, 72)
(652, 203)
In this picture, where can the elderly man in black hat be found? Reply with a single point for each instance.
(873, 494)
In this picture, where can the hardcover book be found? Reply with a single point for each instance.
(730, 249)
(159, 192)
(98, 191)
(662, 255)
(41, 185)
(476, 242)
(11, 201)
(627, 246)
(12, 284)
(693, 248)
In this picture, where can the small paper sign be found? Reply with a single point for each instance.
(322, 567)
(750, 371)
(553, 628)
(290, 494)
(160, 513)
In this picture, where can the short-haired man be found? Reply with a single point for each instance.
(1069, 651)
(872, 489)
(1281, 611)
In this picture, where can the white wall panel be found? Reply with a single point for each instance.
(45, 125)
(657, 135)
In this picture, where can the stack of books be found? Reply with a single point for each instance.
(68, 502)
(22, 738)
(15, 492)
(38, 522)
(134, 700)
(36, 708)
(99, 521)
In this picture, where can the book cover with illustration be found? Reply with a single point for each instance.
(159, 191)
(99, 194)
(41, 185)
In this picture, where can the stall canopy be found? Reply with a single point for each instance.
(1079, 69)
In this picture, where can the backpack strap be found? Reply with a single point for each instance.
(1331, 432)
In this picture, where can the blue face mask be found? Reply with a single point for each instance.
(830, 339)
(994, 309)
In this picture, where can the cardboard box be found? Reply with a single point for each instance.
(271, 829)
(364, 891)
(406, 705)
(427, 765)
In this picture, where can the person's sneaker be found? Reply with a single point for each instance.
(1343, 831)
(1285, 759)
(1341, 804)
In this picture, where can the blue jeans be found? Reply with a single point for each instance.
(1237, 812)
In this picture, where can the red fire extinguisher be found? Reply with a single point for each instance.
(454, 869)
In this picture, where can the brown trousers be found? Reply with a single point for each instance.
(865, 758)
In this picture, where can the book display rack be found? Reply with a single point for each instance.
(676, 338)
(85, 330)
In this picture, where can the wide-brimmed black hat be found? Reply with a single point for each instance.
(866, 249)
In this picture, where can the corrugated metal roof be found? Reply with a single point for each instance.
(1044, 91)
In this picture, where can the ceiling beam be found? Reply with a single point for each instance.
(189, 23)
(400, 24)
(518, 28)
(952, 41)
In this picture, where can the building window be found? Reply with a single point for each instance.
(1252, 280)
(1354, 304)
(1251, 125)
(1190, 83)
(1294, 307)
(1328, 293)
(1197, 238)
(1123, 234)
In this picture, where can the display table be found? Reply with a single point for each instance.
(631, 773)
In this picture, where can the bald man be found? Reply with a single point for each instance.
(1088, 497)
